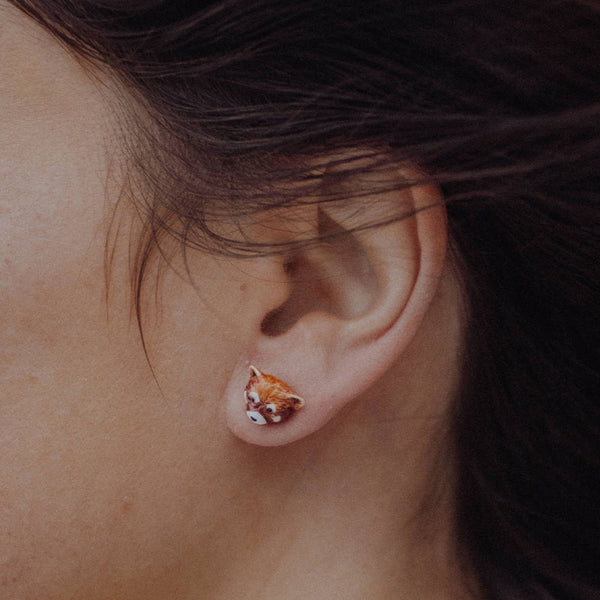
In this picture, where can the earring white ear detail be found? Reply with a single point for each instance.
(269, 401)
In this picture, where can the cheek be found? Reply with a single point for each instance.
(52, 201)
(101, 470)
(88, 439)
(84, 495)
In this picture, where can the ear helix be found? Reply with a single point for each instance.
(269, 400)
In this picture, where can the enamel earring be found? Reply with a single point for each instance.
(269, 401)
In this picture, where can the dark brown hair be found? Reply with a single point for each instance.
(499, 103)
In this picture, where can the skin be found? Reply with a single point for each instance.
(122, 482)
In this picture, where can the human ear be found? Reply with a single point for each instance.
(354, 302)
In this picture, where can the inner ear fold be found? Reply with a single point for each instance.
(332, 276)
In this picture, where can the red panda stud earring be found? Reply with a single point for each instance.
(269, 401)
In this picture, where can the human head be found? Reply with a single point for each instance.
(482, 100)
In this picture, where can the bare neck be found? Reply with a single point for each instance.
(312, 529)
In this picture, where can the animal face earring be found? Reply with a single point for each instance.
(269, 400)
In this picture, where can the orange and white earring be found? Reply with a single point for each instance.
(269, 401)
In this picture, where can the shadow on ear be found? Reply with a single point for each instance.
(354, 302)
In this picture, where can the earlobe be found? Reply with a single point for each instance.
(373, 289)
